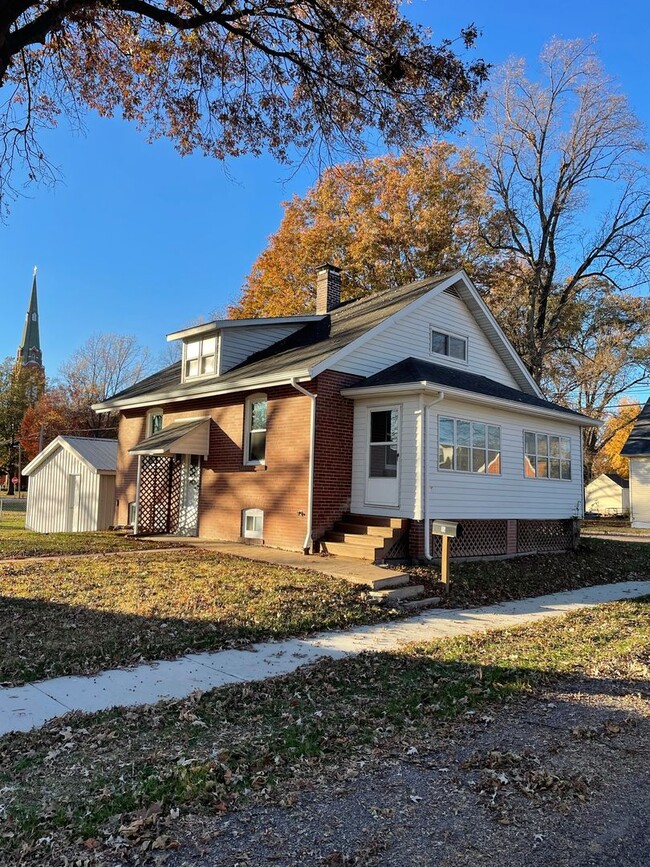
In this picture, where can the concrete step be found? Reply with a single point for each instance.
(390, 581)
(357, 552)
(372, 541)
(374, 520)
(363, 529)
(417, 604)
(399, 594)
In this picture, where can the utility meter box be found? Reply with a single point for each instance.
(447, 528)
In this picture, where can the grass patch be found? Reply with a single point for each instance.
(205, 753)
(597, 561)
(17, 542)
(78, 616)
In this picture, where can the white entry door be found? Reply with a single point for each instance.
(74, 492)
(382, 481)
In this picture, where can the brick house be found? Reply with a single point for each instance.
(350, 430)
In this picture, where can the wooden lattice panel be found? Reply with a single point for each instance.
(544, 536)
(479, 539)
(399, 550)
(160, 489)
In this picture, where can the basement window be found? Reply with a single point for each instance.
(252, 523)
(133, 513)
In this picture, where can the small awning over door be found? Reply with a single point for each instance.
(189, 437)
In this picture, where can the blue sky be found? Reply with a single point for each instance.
(136, 239)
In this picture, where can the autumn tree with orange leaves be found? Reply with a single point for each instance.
(227, 77)
(614, 437)
(386, 221)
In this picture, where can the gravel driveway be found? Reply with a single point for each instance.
(559, 778)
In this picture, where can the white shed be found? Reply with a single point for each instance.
(608, 494)
(72, 486)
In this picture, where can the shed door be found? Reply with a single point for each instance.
(74, 493)
(382, 481)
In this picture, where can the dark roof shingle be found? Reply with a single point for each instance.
(638, 442)
(415, 370)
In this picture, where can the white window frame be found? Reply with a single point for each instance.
(547, 456)
(471, 447)
(132, 508)
(216, 355)
(254, 533)
(448, 334)
(150, 415)
(248, 417)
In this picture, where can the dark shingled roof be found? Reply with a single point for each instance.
(414, 370)
(638, 442)
(302, 350)
(618, 480)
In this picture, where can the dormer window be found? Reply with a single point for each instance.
(451, 345)
(201, 357)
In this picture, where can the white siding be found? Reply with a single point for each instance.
(238, 343)
(47, 498)
(640, 492)
(606, 497)
(471, 495)
(410, 336)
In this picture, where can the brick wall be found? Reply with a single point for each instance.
(227, 486)
(333, 454)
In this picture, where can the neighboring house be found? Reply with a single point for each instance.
(637, 451)
(72, 486)
(404, 407)
(608, 494)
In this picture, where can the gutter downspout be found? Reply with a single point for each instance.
(425, 474)
(312, 451)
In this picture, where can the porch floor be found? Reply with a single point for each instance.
(347, 568)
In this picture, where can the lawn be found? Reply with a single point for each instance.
(81, 615)
(95, 613)
(17, 542)
(75, 786)
(597, 561)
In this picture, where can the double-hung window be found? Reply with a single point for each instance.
(547, 456)
(154, 421)
(469, 446)
(450, 345)
(255, 430)
(201, 357)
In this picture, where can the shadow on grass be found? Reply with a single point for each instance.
(244, 738)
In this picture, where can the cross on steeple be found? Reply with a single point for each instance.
(29, 352)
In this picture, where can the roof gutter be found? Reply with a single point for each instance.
(175, 396)
(471, 397)
(307, 544)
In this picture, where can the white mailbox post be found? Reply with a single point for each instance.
(447, 530)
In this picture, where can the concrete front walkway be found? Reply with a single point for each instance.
(347, 568)
(22, 708)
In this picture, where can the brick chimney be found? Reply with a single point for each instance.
(328, 288)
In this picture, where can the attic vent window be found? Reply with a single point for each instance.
(450, 345)
(200, 357)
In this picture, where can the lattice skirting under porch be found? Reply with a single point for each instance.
(494, 538)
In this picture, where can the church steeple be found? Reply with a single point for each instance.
(29, 352)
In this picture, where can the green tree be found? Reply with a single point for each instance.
(227, 77)
(385, 222)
